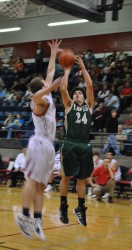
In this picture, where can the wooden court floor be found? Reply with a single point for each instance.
(109, 225)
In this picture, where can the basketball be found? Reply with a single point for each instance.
(66, 58)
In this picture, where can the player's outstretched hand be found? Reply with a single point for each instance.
(80, 62)
(54, 45)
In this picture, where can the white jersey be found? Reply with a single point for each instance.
(45, 125)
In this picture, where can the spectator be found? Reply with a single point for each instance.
(19, 66)
(128, 127)
(111, 129)
(98, 117)
(56, 170)
(126, 95)
(112, 102)
(17, 171)
(104, 177)
(121, 137)
(9, 119)
(2, 165)
(102, 94)
(90, 57)
(2, 93)
(114, 165)
(15, 125)
(97, 162)
(39, 55)
(105, 75)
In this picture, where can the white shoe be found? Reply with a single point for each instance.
(90, 191)
(48, 189)
(37, 228)
(93, 196)
(105, 196)
(25, 225)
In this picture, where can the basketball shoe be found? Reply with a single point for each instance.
(37, 228)
(64, 214)
(48, 189)
(24, 223)
(80, 212)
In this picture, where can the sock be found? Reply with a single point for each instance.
(37, 215)
(63, 200)
(25, 212)
(81, 202)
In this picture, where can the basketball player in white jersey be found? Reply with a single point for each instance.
(40, 155)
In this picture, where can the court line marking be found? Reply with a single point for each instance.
(81, 240)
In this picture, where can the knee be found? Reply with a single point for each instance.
(96, 190)
(80, 184)
(66, 179)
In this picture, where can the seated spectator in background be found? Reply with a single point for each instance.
(114, 165)
(104, 178)
(18, 168)
(19, 65)
(1, 65)
(82, 83)
(98, 117)
(9, 119)
(90, 57)
(102, 94)
(26, 99)
(56, 169)
(97, 162)
(10, 94)
(2, 165)
(112, 129)
(128, 125)
(112, 102)
(120, 56)
(2, 93)
(105, 75)
(126, 95)
(15, 125)
(96, 159)
(121, 137)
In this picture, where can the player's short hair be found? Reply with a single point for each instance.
(36, 84)
(78, 89)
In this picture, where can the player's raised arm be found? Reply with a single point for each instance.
(67, 101)
(54, 46)
(88, 81)
(38, 96)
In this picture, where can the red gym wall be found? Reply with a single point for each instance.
(110, 42)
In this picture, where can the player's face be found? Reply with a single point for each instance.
(78, 96)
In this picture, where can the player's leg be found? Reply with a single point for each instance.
(80, 211)
(24, 220)
(64, 186)
(85, 159)
(37, 196)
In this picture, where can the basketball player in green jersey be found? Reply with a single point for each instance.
(77, 157)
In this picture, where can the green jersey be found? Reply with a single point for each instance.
(78, 122)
